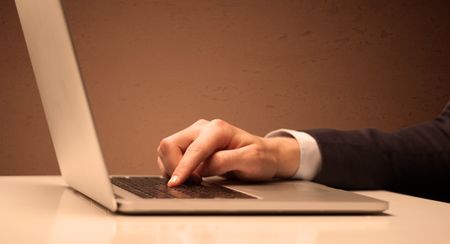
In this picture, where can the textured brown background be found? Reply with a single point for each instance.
(154, 67)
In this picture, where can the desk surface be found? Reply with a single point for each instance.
(37, 209)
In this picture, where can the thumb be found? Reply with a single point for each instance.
(223, 162)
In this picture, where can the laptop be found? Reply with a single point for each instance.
(82, 164)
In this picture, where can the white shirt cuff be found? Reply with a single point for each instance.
(310, 157)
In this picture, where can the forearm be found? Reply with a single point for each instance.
(416, 158)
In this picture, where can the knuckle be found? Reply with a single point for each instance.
(218, 159)
(164, 146)
(220, 127)
(201, 122)
(219, 123)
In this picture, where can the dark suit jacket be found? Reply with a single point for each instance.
(413, 160)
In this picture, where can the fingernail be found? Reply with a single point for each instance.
(173, 180)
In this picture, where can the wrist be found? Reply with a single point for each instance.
(286, 151)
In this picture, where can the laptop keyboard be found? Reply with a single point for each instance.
(156, 187)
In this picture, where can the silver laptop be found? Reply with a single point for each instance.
(82, 164)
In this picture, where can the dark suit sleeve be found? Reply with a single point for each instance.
(413, 160)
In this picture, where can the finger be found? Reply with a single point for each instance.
(195, 178)
(246, 163)
(223, 162)
(169, 156)
(215, 136)
(162, 168)
(185, 137)
(171, 148)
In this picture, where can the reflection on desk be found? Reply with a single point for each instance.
(43, 209)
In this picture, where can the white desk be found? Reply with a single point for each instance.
(40, 209)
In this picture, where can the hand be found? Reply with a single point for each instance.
(215, 147)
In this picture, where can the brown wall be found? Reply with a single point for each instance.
(153, 67)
